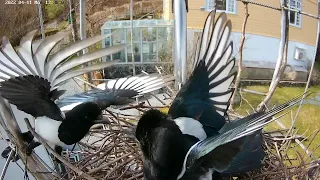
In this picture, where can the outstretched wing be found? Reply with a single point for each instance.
(31, 94)
(117, 91)
(30, 77)
(206, 94)
(218, 152)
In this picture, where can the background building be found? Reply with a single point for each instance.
(262, 34)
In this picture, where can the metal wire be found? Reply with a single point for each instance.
(260, 4)
(279, 8)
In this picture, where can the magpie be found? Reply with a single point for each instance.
(30, 79)
(115, 92)
(194, 141)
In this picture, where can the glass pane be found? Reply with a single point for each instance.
(165, 45)
(149, 51)
(298, 19)
(231, 5)
(119, 56)
(292, 16)
(137, 53)
(210, 4)
(292, 3)
(107, 42)
(136, 35)
(162, 34)
(299, 5)
(221, 4)
(117, 36)
(108, 39)
(149, 34)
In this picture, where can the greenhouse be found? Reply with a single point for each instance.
(152, 41)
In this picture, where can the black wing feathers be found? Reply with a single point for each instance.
(32, 95)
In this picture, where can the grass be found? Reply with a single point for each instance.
(54, 10)
(308, 119)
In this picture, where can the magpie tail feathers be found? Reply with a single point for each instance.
(232, 140)
(249, 158)
(28, 59)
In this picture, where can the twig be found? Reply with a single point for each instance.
(108, 164)
(243, 37)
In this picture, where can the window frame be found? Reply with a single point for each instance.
(296, 14)
(206, 7)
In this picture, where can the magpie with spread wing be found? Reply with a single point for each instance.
(34, 90)
(115, 92)
(30, 79)
(193, 141)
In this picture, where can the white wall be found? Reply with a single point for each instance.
(265, 49)
(262, 51)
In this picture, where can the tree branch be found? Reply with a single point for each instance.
(238, 78)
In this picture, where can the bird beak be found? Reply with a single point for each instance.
(102, 120)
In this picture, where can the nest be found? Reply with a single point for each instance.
(114, 153)
(110, 151)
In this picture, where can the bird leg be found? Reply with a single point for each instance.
(33, 144)
(58, 150)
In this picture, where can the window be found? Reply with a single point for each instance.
(228, 6)
(294, 17)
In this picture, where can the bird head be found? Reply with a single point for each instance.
(88, 112)
(148, 121)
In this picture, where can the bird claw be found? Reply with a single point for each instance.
(28, 151)
(31, 146)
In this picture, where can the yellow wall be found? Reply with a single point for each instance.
(262, 21)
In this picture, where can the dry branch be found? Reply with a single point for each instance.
(238, 78)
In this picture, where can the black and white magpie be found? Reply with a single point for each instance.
(193, 141)
(30, 80)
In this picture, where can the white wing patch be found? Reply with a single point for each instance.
(70, 106)
(216, 50)
(191, 127)
(223, 86)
